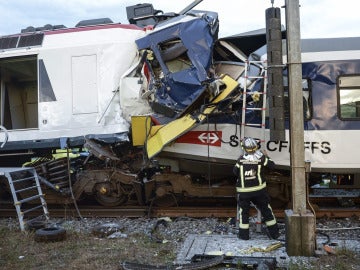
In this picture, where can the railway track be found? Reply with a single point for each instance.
(7, 210)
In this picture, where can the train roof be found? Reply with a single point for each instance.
(330, 44)
(255, 41)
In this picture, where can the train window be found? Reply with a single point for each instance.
(306, 98)
(349, 96)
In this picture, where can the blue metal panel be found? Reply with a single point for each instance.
(180, 89)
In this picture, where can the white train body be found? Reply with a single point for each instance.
(64, 87)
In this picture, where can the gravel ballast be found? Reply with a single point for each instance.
(175, 231)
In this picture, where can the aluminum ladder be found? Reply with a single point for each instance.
(25, 187)
(245, 108)
(263, 108)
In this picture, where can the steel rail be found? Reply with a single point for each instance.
(194, 212)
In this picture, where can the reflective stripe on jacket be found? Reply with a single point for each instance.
(249, 172)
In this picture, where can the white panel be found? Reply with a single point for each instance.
(130, 100)
(84, 84)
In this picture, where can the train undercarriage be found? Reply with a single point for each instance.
(129, 179)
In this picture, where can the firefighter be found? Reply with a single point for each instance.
(251, 187)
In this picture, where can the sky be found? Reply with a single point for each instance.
(318, 18)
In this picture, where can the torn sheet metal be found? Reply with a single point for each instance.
(173, 130)
(182, 49)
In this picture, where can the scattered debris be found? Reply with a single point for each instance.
(269, 248)
(154, 231)
(117, 235)
(259, 263)
(329, 249)
(106, 229)
(197, 265)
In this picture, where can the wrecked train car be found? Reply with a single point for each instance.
(63, 84)
(156, 114)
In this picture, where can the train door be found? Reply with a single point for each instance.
(18, 92)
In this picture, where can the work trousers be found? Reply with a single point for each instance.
(262, 202)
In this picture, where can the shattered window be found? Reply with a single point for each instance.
(306, 98)
(349, 96)
(174, 55)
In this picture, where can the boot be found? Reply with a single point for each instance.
(243, 234)
(273, 231)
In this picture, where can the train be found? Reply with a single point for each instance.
(154, 111)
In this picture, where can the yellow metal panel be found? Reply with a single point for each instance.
(168, 133)
(171, 131)
(140, 125)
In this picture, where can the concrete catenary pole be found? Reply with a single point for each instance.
(300, 223)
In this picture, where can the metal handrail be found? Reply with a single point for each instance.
(6, 136)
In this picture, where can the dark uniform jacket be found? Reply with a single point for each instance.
(249, 170)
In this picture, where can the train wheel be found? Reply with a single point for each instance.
(110, 200)
(107, 194)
